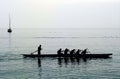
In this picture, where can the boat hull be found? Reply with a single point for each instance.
(76, 56)
(9, 30)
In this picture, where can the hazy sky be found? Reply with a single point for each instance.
(60, 13)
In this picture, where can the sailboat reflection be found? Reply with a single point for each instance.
(9, 42)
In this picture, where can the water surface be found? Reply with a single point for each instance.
(20, 41)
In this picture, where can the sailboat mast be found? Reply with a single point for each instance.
(9, 21)
(9, 30)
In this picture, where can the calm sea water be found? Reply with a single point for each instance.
(21, 41)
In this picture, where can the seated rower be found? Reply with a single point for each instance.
(78, 52)
(83, 53)
(59, 52)
(66, 51)
(72, 52)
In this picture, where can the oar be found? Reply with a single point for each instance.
(34, 52)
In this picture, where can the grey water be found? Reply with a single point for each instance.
(25, 41)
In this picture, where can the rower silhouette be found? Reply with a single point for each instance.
(66, 51)
(83, 53)
(78, 52)
(72, 52)
(59, 52)
(39, 50)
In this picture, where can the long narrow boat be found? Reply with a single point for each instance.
(78, 56)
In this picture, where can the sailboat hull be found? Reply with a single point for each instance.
(9, 30)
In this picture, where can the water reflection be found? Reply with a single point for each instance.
(40, 69)
(61, 62)
(9, 40)
(73, 61)
(39, 62)
(65, 61)
(56, 66)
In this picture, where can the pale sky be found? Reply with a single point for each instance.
(60, 13)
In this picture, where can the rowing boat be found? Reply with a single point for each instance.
(68, 55)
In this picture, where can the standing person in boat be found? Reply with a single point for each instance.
(83, 53)
(72, 52)
(39, 50)
(66, 51)
(59, 52)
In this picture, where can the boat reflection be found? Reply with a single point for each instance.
(68, 60)
(39, 62)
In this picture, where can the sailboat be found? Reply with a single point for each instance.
(9, 30)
